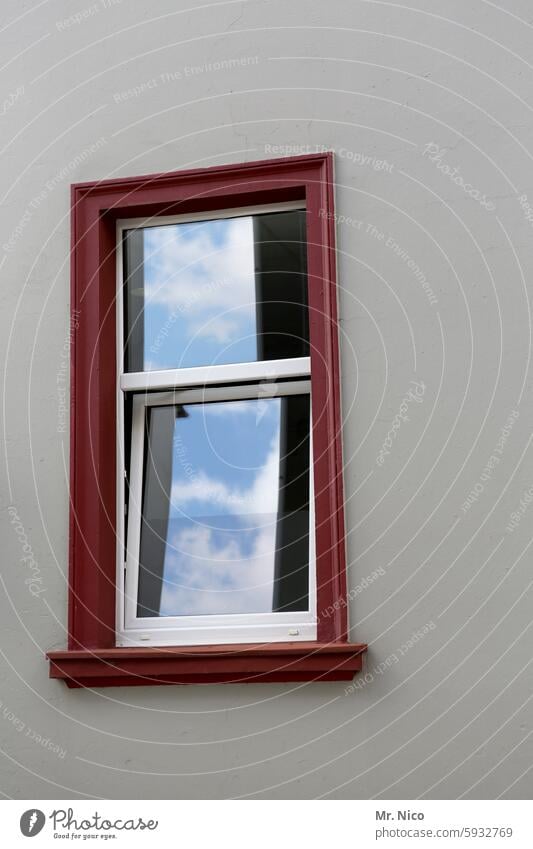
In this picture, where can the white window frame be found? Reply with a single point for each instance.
(189, 385)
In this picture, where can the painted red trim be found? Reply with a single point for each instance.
(208, 664)
(95, 210)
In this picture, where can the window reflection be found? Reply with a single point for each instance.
(225, 513)
(213, 292)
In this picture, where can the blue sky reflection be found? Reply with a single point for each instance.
(222, 528)
(199, 290)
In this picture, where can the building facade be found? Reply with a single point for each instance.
(427, 115)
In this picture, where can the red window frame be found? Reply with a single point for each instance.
(92, 658)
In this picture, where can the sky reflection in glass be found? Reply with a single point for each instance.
(215, 292)
(221, 545)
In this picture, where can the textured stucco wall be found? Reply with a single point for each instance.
(405, 96)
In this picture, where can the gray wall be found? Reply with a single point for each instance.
(127, 88)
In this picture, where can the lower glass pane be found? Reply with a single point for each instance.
(225, 508)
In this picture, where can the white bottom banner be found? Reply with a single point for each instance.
(269, 824)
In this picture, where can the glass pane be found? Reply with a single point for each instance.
(231, 290)
(225, 513)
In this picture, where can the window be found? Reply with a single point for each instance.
(207, 539)
(219, 546)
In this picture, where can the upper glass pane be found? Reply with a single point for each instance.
(225, 508)
(213, 292)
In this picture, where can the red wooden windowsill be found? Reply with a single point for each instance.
(272, 662)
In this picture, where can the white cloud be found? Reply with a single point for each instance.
(260, 498)
(187, 271)
(220, 329)
(204, 577)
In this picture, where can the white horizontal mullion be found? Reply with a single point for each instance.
(234, 392)
(208, 375)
